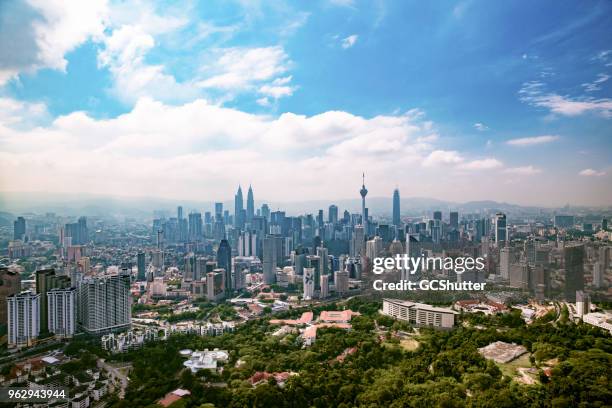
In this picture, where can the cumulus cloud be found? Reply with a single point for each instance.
(442, 157)
(195, 148)
(592, 173)
(534, 140)
(37, 34)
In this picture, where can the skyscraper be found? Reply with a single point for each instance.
(19, 228)
(250, 208)
(333, 214)
(454, 220)
(573, 257)
(141, 264)
(224, 261)
(46, 279)
(195, 226)
(437, 215)
(238, 208)
(179, 212)
(104, 303)
(364, 216)
(396, 208)
(309, 285)
(23, 318)
(501, 231)
(269, 259)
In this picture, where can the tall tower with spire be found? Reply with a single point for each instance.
(364, 193)
(250, 209)
(238, 208)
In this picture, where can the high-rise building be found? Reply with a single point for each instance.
(23, 311)
(323, 253)
(364, 215)
(141, 265)
(374, 248)
(309, 284)
(104, 303)
(437, 215)
(179, 212)
(269, 259)
(19, 228)
(250, 208)
(358, 241)
(265, 212)
(195, 226)
(573, 257)
(333, 214)
(501, 230)
(324, 292)
(218, 211)
(247, 244)
(62, 311)
(341, 281)
(396, 208)
(47, 279)
(454, 220)
(564, 221)
(238, 209)
(10, 283)
(224, 261)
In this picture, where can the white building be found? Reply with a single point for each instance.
(309, 284)
(61, 311)
(601, 320)
(23, 318)
(200, 360)
(105, 303)
(419, 314)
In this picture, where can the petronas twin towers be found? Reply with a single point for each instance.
(241, 215)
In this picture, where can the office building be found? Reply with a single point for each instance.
(573, 257)
(396, 208)
(19, 228)
(224, 261)
(419, 314)
(141, 266)
(250, 209)
(23, 311)
(454, 220)
(333, 214)
(62, 311)
(583, 303)
(501, 230)
(104, 303)
(239, 209)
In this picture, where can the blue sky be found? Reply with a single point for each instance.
(457, 100)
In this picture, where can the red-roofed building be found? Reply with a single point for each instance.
(172, 397)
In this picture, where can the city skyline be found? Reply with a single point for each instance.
(186, 103)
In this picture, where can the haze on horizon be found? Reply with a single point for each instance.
(445, 101)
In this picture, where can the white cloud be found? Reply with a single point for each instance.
(164, 150)
(592, 173)
(534, 140)
(595, 85)
(349, 41)
(442, 157)
(481, 127)
(40, 33)
(483, 164)
(523, 171)
(533, 94)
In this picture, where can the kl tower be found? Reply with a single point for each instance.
(364, 218)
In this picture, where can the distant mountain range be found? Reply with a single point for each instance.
(102, 205)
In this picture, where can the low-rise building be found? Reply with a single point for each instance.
(419, 314)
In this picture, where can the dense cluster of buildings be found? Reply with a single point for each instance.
(222, 254)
